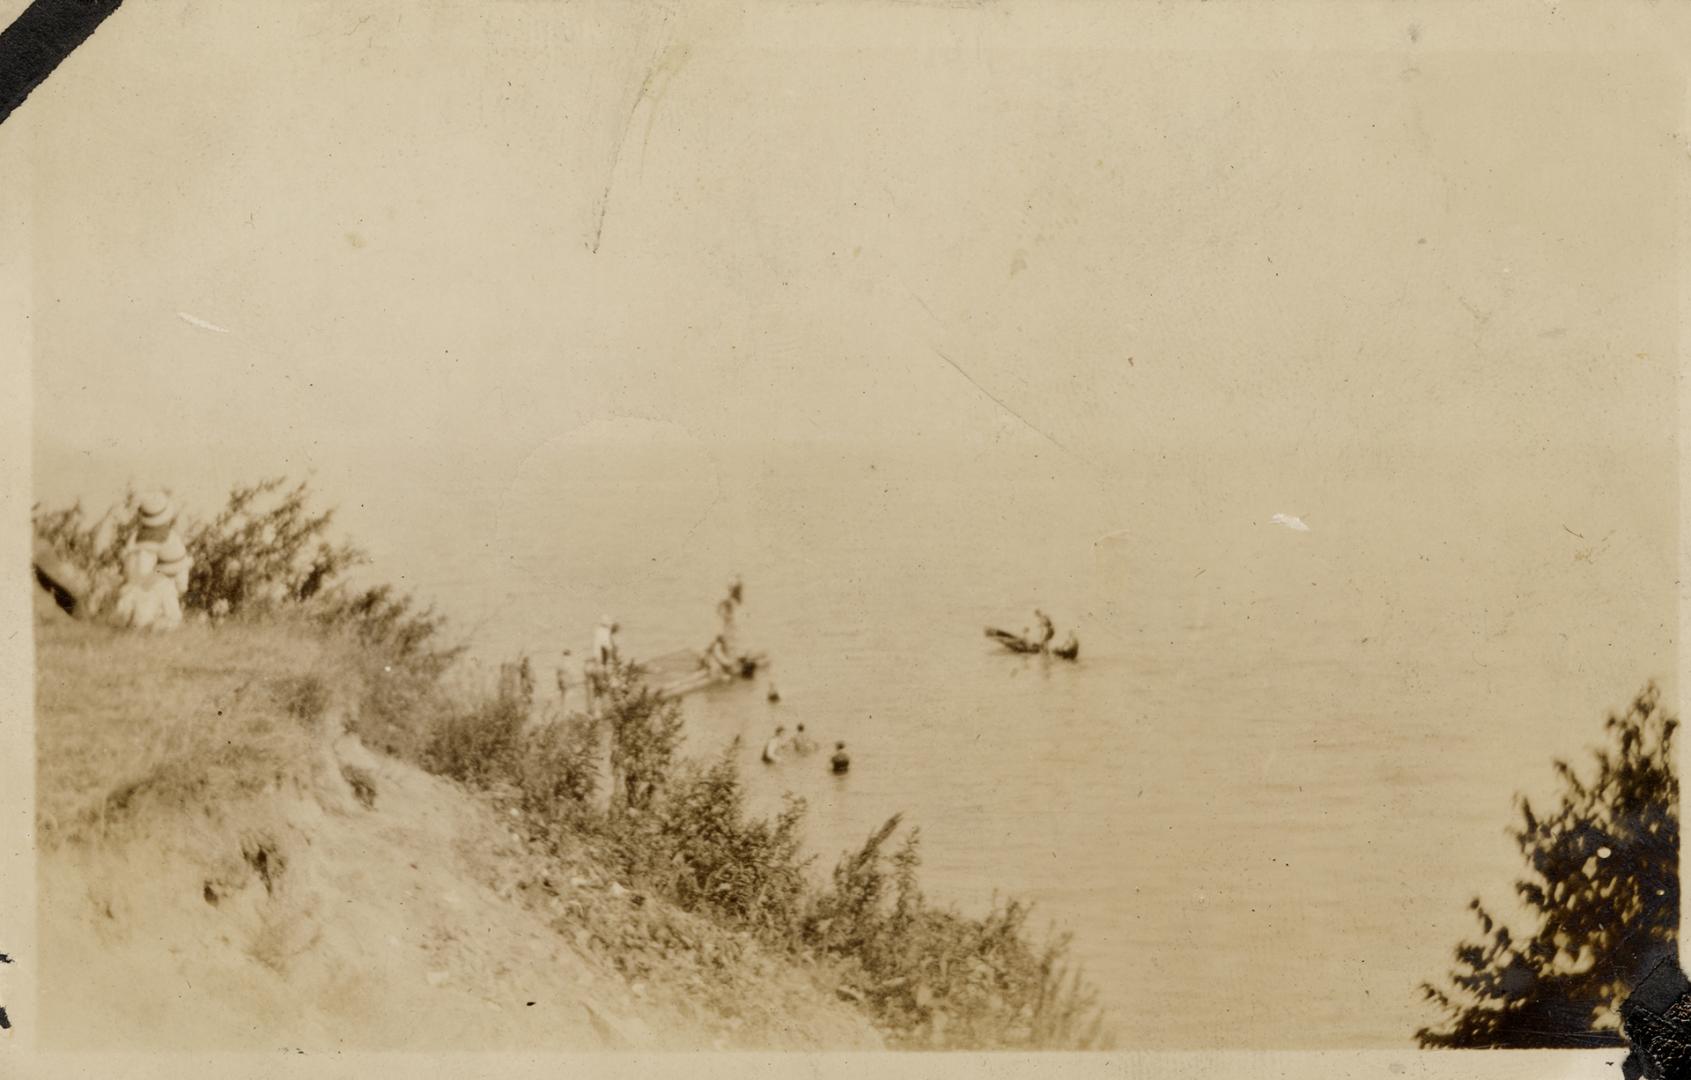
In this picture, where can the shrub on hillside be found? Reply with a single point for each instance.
(934, 978)
(92, 546)
(483, 745)
(645, 732)
(698, 848)
(558, 772)
(263, 549)
(389, 623)
(400, 661)
(930, 977)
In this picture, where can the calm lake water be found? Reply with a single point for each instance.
(1261, 799)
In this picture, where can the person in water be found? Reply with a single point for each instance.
(772, 748)
(803, 744)
(841, 761)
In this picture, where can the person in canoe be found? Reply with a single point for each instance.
(1069, 649)
(841, 761)
(1014, 642)
(1047, 630)
(1026, 642)
(772, 749)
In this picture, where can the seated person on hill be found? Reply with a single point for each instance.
(155, 576)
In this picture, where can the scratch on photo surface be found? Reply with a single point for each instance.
(195, 320)
(659, 70)
(923, 304)
(1002, 404)
(653, 90)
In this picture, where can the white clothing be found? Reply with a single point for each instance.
(149, 604)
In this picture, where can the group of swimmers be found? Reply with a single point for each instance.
(801, 745)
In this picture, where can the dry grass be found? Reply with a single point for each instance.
(179, 720)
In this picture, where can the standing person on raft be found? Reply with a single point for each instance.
(605, 641)
(722, 652)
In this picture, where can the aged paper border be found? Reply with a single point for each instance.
(1543, 26)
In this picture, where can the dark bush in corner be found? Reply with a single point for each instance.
(1603, 886)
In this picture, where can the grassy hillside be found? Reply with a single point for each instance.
(222, 865)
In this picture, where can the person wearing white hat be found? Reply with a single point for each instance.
(155, 567)
(155, 515)
(155, 523)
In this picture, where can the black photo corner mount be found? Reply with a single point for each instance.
(1656, 1020)
(39, 39)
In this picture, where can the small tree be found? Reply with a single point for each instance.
(1603, 884)
(645, 732)
(746, 870)
(484, 745)
(937, 979)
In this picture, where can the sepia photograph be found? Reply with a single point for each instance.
(581, 527)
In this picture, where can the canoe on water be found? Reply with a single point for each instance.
(1016, 643)
(1013, 642)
